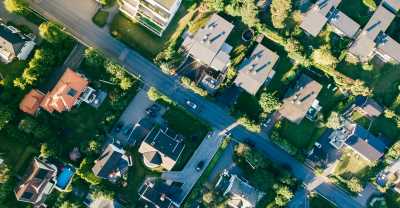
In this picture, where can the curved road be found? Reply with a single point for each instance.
(91, 35)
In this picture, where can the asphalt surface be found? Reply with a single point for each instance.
(91, 35)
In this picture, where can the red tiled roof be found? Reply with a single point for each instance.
(31, 102)
(66, 92)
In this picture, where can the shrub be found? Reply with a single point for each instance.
(85, 172)
(16, 6)
(370, 4)
(189, 84)
(156, 96)
(249, 124)
(283, 143)
(280, 10)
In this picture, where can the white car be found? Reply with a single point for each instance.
(191, 104)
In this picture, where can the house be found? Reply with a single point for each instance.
(359, 140)
(208, 45)
(30, 104)
(257, 69)
(323, 154)
(112, 164)
(325, 11)
(367, 107)
(157, 194)
(300, 98)
(38, 182)
(155, 15)
(161, 148)
(14, 44)
(71, 89)
(141, 130)
(240, 193)
(373, 40)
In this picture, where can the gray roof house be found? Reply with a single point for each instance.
(112, 163)
(157, 194)
(257, 69)
(38, 182)
(161, 148)
(208, 43)
(13, 44)
(368, 107)
(324, 11)
(373, 40)
(359, 140)
(300, 98)
(240, 193)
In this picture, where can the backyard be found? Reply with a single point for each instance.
(318, 201)
(356, 10)
(380, 126)
(145, 42)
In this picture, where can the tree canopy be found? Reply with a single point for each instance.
(5, 116)
(333, 121)
(280, 10)
(15, 6)
(323, 56)
(52, 32)
(268, 102)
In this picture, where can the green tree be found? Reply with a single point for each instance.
(268, 102)
(85, 172)
(249, 12)
(4, 173)
(334, 121)
(27, 125)
(16, 6)
(393, 153)
(283, 195)
(105, 2)
(52, 32)
(68, 204)
(323, 56)
(93, 58)
(354, 185)
(280, 10)
(93, 146)
(370, 4)
(215, 5)
(102, 193)
(46, 151)
(5, 116)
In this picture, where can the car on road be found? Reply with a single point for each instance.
(200, 165)
(191, 104)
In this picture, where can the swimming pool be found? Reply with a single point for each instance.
(65, 177)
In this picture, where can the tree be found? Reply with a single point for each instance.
(5, 116)
(102, 193)
(46, 151)
(323, 56)
(334, 121)
(393, 153)
(93, 146)
(280, 10)
(104, 2)
(94, 58)
(268, 102)
(354, 185)
(370, 4)
(68, 204)
(15, 6)
(389, 113)
(215, 5)
(51, 32)
(27, 125)
(249, 12)
(4, 173)
(283, 195)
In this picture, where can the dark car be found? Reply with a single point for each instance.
(200, 165)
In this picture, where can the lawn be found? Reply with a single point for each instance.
(303, 135)
(100, 18)
(8, 72)
(330, 101)
(143, 40)
(191, 128)
(394, 29)
(380, 126)
(350, 164)
(247, 104)
(384, 81)
(318, 201)
(356, 10)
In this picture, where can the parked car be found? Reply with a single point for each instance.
(200, 165)
(191, 104)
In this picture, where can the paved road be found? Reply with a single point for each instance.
(88, 33)
(189, 175)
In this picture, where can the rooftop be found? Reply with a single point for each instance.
(66, 92)
(345, 24)
(31, 102)
(300, 98)
(207, 45)
(161, 147)
(168, 4)
(158, 194)
(256, 69)
(112, 163)
(11, 40)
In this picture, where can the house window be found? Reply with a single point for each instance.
(72, 92)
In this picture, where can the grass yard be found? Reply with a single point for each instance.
(330, 101)
(380, 126)
(394, 29)
(351, 164)
(356, 10)
(303, 136)
(192, 129)
(100, 18)
(384, 81)
(318, 201)
(8, 72)
(143, 40)
(247, 105)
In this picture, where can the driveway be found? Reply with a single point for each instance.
(300, 199)
(225, 162)
(189, 175)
